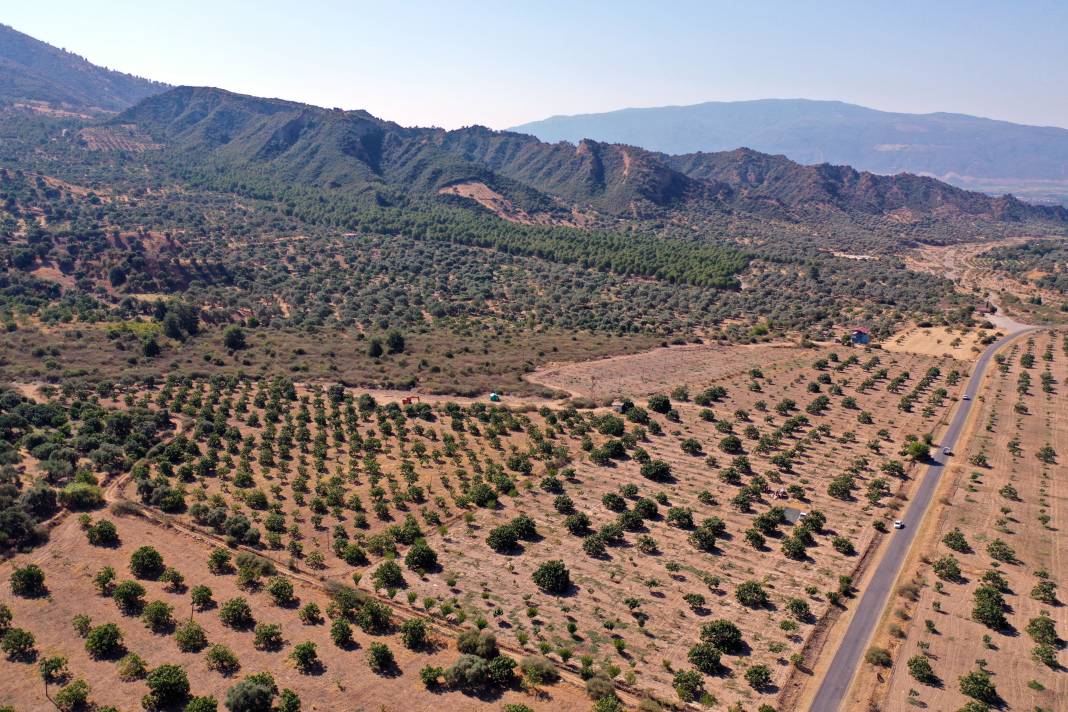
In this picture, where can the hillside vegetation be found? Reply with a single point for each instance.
(32, 71)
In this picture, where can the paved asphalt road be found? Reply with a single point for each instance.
(851, 651)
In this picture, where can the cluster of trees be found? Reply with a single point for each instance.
(72, 440)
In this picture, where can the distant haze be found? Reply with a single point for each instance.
(968, 151)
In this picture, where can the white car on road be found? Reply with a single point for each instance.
(898, 524)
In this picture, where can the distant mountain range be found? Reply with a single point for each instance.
(34, 72)
(967, 151)
(302, 144)
(220, 137)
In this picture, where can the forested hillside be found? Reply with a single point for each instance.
(206, 229)
(295, 143)
(32, 71)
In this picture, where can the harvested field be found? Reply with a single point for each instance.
(962, 344)
(640, 374)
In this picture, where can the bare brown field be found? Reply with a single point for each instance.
(646, 372)
(962, 344)
(1012, 498)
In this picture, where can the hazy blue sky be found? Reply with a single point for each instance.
(452, 62)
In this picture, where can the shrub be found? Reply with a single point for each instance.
(978, 685)
(1047, 655)
(656, 470)
(468, 672)
(190, 637)
(341, 633)
(503, 539)
(880, 657)
(267, 636)
(594, 546)
(373, 617)
(132, 667)
(843, 546)
(253, 694)
(388, 575)
(219, 561)
(173, 579)
(222, 660)
(1042, 630)
(310, 614)
(723, 634)
(103, 533)
(705, 657)
(305, 657)
(104, 641)
(200, 597)
(758, 676)
(280, 590)
(989, 608)
(236, 613)
(430, 675)
(477, 642)
(552, 577)
(688, 685)
(751, 594)
(659, 403)
(157, 616)
(146, 563)
(799, 609)
(129, 596)
(577, 523)
(421, 557)
(167, 685)
(82, 624)
(920, 669)
(205, 703)
(53, 668)
(947, 568)
(288, 701)
(380, 658)
(538, 669)
(999, 550)
(18, 644)
(28, 581)
(956, 541)
(414, 633)
(1045, 591)
(72, 696)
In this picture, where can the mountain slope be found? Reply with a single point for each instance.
(965, 150)
(33, 71)
(760, 179)
(300, 144)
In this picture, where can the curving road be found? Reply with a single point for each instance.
(835, 685)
